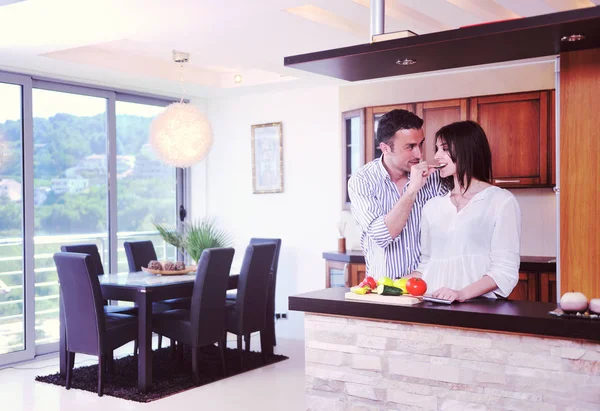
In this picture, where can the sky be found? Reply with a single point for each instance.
(48, 103)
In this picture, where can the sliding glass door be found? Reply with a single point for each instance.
(75, 167)
(147, 188)
(70, 171)
(12, 255)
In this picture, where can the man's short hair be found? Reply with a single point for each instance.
(395, 120)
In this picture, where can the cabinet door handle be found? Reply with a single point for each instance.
(346, 275)
(507, 181)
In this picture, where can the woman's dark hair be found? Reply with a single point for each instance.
(469, 150)
(393, 121)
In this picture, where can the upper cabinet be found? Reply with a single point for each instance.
(353, 148)
(435, 115)
(517, 127)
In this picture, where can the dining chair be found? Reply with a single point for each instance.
(92, 251)
(89, 330)
(246, 314)
(204, 322)
(139, 254)
(270, 313)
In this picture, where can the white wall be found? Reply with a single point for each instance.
(538, 206)
(305, 215)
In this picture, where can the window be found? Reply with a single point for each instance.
(75, 168)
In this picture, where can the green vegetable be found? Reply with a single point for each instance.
(388, 290)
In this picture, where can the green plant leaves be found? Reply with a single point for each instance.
(196, 237)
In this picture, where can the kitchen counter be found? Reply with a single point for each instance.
(524, 317)
(481, 354)
(528, 263)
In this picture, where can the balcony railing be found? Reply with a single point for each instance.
(46, 281)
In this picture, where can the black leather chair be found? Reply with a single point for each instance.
(246, 314)
(204, 323)
(270, 314)
(92, 251)
(89, 330)
(139, 254)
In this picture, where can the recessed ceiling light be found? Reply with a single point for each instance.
(237, 78)
(573, 37)
(406, 62)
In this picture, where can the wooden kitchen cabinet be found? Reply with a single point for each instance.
(526, 288)
(435, 115)
(372, 116)
(548, 287)
(517, 127)
(342, 274)
(353, 148)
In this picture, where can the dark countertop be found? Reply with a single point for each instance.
(523, 317)
(528, 263)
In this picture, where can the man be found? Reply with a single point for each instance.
(388, 194)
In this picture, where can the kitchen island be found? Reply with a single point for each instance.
(482, 354)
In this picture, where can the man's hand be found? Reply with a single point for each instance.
(449, 294)
(418, 176)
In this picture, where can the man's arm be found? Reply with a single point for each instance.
(367, 212)
(396, 219)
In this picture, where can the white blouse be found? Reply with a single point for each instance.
(483, 238)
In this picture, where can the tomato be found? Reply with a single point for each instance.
(416, 286)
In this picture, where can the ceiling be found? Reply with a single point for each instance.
(128, 43)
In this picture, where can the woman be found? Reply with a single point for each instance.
(470, 238)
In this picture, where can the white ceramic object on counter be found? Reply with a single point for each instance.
(573, 302)
(595, 305)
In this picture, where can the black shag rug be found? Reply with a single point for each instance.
(169, 376)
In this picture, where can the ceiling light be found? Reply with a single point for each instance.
(572, 38)
(237, 78)
(406, 62)
(181, 135)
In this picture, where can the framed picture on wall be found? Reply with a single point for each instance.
(267, 158)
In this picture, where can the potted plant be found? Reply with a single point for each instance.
(196, 237)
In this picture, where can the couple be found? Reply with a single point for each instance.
(450, 226)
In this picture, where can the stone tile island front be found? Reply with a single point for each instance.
(479, 355)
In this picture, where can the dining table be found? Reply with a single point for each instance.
(143, 289)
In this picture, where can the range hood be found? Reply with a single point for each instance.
(518, 39)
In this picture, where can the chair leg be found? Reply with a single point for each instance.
(195, 365)
(159, 341)
(240, 352)
(223, 363)
(174, 349)
(271, 325)
(247, 341)
(263, 345)
(70, 364)
(135, 347)
(180, 353)
(110, 363)
(101, 365)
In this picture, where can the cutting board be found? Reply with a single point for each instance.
(384, 299)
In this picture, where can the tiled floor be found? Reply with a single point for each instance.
(276, 387)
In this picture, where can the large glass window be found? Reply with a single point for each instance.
(75, 168)
(71, 193)
(146, 186)
(12, 307)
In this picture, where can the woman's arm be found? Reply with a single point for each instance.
(478, 288)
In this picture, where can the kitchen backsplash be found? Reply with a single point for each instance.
(538, 233)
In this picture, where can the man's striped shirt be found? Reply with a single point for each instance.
(373, 194)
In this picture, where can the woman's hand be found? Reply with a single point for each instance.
(449, 294)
